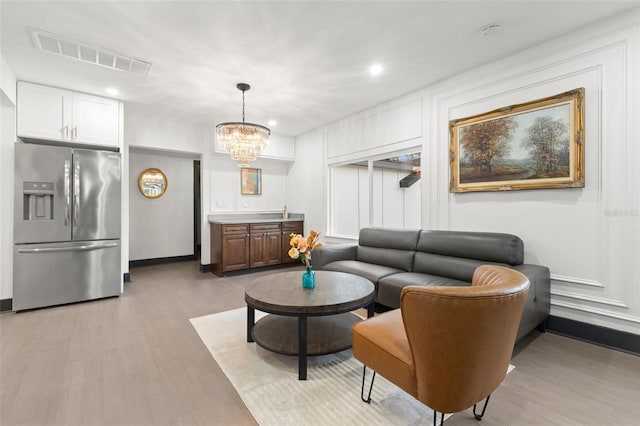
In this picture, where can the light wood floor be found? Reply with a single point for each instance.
(136, 360)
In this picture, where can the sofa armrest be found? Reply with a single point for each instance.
(538, 302)
(332, 253)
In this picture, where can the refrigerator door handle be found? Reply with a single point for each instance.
(76, 192)
(86, 247)
(67, 193)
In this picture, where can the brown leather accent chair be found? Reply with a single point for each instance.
(449, 347)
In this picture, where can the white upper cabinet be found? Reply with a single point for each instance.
(61, 115)
(280, 147)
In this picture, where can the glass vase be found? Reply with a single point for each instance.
(309, 278)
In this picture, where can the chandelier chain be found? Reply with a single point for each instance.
(243, 106)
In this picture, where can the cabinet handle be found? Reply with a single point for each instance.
(74, 132)
(66, 131)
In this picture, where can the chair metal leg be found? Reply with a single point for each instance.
(368, 398)
(479, 416)
(435, 417)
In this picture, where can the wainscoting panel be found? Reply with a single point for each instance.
(589, 237)
(574, 280)
(591, 299)
(389, 125)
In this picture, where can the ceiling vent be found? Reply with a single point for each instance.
(59, 45)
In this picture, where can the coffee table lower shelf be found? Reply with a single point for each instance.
(325, 334)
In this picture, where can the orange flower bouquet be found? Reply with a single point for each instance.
(302, 247)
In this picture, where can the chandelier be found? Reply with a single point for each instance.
(243, 141)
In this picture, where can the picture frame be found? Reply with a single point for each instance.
(534, 145)
(152, 183)
(250, 181)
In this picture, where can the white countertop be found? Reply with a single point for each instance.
(233, 218)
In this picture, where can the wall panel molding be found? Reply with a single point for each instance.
(587, 298)
(575, 280)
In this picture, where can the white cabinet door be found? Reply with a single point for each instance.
(95, 120)
(43, 112)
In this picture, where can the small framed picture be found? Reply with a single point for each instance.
(250, 181)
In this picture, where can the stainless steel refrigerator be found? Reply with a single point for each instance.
(66, 225)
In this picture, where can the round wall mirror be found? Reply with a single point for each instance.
(152, 183)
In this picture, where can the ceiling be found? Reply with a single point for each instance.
(307, 61)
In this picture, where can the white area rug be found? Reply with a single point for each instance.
(269, 386)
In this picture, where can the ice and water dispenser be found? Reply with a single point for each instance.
(38, 200)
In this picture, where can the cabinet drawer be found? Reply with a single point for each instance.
(265, 227)
(234, 229)
(292, 227)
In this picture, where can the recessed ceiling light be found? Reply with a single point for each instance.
(111, 91)
(490, 30)
(272, 123)
(375, 69)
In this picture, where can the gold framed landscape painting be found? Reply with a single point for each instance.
(250, 181)
(538, 144)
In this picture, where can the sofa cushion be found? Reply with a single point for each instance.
(369, 271)
(487, 246)
(398, 239)
(397, 259)
(390, 287)
(389, 247)
(457, 268)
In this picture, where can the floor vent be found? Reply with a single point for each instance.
(59, 45)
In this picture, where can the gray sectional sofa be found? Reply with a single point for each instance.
(395, 258)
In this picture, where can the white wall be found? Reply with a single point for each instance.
(7, 80)
(388, 126)
(307, 181)
(589, 237)
(7, 140)
(161, 227)
(225, 181)
(150, 132)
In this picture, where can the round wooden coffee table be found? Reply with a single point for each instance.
(306, 322)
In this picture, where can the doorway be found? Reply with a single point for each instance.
(196, 209)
